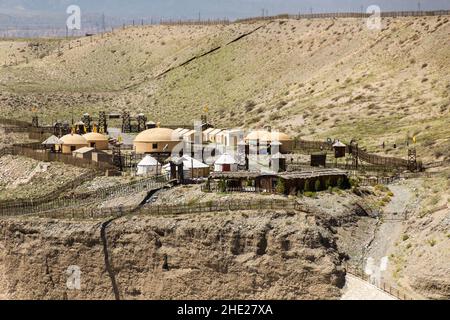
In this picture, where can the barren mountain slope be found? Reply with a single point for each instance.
(317, 78)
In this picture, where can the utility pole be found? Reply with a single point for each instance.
(103, 22)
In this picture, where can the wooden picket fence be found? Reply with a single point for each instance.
(33, 151)
(84, 201)
(219, 206)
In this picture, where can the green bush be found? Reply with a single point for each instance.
(318, 186)
(354, 182)
(222, 185)
(307, 186)
(405, 237)
(280, 188)
(310, 194)
(328, 183)
(340, 183)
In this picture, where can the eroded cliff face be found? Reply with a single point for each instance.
(270, 255)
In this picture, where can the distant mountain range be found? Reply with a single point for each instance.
(39, 17)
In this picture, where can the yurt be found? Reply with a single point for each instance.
(265, 138)
(157, 140)
(148, 166)
(97, 140)
(72, 142)
(226, 163)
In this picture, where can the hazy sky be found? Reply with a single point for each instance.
(208, 8)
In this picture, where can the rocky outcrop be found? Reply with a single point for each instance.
(266, 255)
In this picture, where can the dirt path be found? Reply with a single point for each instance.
(389, 232)
(357, 289)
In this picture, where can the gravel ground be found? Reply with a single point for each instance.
(357, 289)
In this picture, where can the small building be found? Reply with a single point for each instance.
(206, 134)
(150, 125)
(83, 153)
(189, 136)
(181, 131)
(97, 140)
(339, 149)
(53, 143)
(262, 140)
(149, 166)
(192, 168)
(226, 163)
(100, 156)
(278, 163)
(230, 138)
(158, 140)
(319, 159)
(212, 136)
(72, 142)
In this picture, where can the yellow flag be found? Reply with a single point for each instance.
(119, 139)
(73, 129)
(414, 139)
(94, 128)
(206, 109)
(84, 129)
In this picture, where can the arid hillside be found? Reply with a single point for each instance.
(314, 78)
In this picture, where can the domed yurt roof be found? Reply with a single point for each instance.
(94, 136)
(73, 139)
(157, 135)
(264, 135)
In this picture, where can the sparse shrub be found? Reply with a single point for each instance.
(432, 242)
(307, 187)
(222, 186)
(328, 183)
(405, 237)
(310, 194)
(249, 105)
(280, 187)
(354, 182)
(318, 186)
(340, 183)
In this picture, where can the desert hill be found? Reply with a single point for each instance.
(314, 78)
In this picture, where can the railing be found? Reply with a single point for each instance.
(81, 201)
(219, 206)
(52, 195)
(392, 14)
(383, 286)
(216, 188)
(373, 181)
(14, 122)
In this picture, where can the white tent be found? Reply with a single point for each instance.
(148, 166)
(226, 163)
